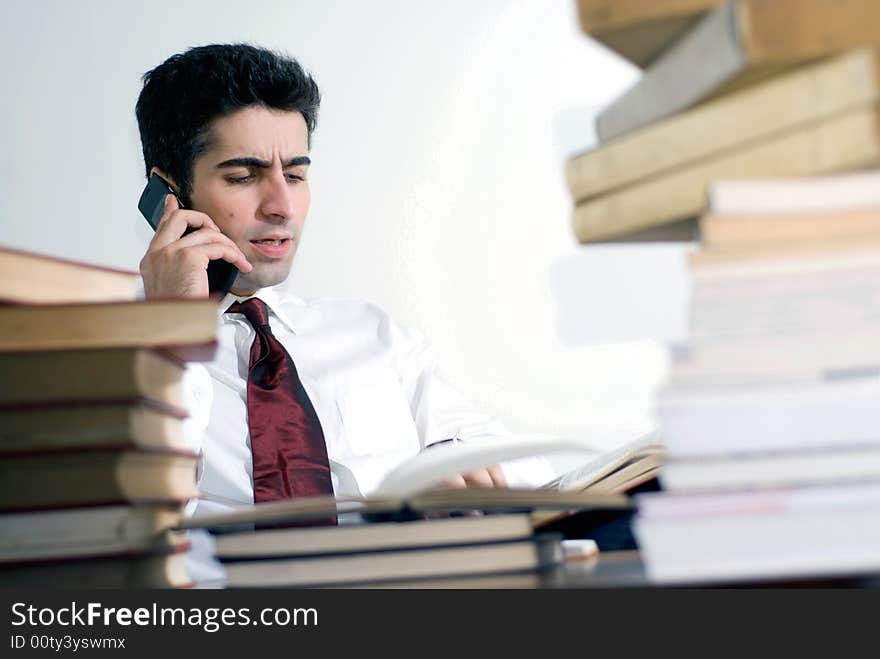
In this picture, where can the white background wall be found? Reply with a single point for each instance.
(437, 183)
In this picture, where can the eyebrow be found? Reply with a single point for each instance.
(264, 164)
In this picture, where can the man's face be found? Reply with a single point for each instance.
(252, 181)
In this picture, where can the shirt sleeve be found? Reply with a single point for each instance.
(198, 394)
(441, 412)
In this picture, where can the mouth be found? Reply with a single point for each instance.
(273, 248)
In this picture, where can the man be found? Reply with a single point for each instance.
(229, 127)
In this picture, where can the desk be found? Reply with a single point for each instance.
(610, 569)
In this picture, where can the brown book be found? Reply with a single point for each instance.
(733, 46)
(62, 426)
(186, 328)
(77, 478)
(89, 375)
(846, 141)
(519, 555)
(640, 30)
(91, 531)
(808, 94)
(28, 277)
(362, 536)
(151, 571)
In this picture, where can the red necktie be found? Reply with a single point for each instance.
(287, 443)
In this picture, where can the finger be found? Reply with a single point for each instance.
(206, 236)
(452, 482)
(174, 223)
(478, 478)
(170, 204)
(217, 250)
(182, 219)
(496, 473)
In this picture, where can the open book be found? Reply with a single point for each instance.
(617, 470)
(606, 472)
(600, 482)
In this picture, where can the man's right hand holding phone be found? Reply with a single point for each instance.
(176, 261)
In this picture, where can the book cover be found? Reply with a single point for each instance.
(640, 30)
(734, 45)
(90, 374)
(113, 423)
(847, 141)
(363, 536)
(31, 278)
(33, 481)
(186, 328)
(535, 553)
(167, 570)
(90, 531)
(810, 93)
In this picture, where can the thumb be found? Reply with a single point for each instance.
(170, 205)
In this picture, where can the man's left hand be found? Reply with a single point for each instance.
(490, 477)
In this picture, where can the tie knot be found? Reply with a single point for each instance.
(254, 309)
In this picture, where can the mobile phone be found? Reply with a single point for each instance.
(221, 274)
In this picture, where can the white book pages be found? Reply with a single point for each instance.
(754, 417)
(445, 460)
(790, 350)
(764, 544)
(772, 469)
(856, 191)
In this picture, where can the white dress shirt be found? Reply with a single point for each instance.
(374, 387)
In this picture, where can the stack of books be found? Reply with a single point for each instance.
(408, 534)
(753, 131)
(771, 413)
(730, 89)
(459, 538)
(94, 467)
(363, 553)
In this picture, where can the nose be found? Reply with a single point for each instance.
(276, 202)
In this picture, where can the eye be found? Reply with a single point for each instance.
(237, 180)
(296, 178)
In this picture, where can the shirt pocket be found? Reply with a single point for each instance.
(376, 418)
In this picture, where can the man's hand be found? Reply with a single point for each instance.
(490, 477)
(176, 266)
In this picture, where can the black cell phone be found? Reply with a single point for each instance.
(221, 274)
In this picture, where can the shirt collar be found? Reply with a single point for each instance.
(273, 298)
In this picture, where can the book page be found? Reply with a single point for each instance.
(603, 464)
(446, 460)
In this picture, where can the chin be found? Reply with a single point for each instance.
(255, 280)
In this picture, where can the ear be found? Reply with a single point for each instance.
(170, 181)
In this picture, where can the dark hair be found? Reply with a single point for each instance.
(184, 95)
